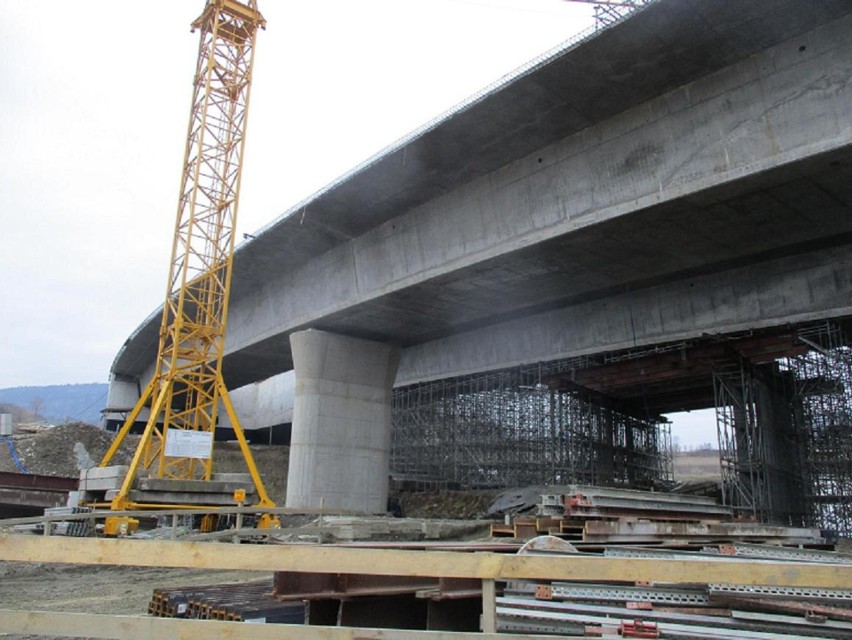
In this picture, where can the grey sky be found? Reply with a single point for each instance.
(93, 112)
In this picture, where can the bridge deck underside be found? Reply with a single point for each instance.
(757, 219)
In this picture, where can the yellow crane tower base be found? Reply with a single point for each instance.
(187, 390)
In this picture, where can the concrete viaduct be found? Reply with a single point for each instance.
(687, 171)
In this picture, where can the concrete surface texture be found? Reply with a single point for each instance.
(340, 447)
(268, 403)
(688, 170)
(263, 404)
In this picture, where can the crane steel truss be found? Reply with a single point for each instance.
(187, 386)
(505, 428)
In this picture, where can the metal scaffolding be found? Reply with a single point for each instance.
(742, 453)
(785, 434)
(823, 411)
(506, 428)
(784, 421)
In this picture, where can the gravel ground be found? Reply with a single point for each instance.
(63, 450)
(59, 451)
(105, 590)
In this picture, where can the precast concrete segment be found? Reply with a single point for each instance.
(774, 109)
(801, 288)
(340, 444)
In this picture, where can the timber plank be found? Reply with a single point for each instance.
(88, 625)
(396, 562)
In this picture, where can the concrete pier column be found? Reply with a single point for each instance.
(340, 447)
(784, 459)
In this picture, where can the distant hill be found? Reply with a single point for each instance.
(20, 415)
(60, 403)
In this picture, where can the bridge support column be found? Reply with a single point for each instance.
(340, 447)
(782, 448)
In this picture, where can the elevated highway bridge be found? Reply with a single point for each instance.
(685, 172)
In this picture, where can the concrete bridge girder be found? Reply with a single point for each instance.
(726, 199)
(682, 182)
(793, 289)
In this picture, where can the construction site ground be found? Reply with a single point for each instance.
(64, 450)
(115, 590)
(106, 590)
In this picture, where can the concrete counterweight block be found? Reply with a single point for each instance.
(340, 447)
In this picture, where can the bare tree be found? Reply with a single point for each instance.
(36, 406)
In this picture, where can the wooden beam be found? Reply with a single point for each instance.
(87, 625)
(489, 606)
(397, 562)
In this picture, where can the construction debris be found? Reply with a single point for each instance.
(57, 451)
(350, 529)
(457, 505)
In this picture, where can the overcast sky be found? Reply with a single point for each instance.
(93, 112)
(94, 102)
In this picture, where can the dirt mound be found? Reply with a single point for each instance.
(63, 450)
(461, 505)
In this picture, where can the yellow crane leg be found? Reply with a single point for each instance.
(266, 520)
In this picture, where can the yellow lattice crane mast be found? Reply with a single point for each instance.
(187, 386)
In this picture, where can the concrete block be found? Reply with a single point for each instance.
(179, 497)
(98, 473)
(232, 477)
(103, 478)
(192, 486)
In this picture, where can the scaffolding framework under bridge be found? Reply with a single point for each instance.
(785, 434)
(508, 428)
(783, 401)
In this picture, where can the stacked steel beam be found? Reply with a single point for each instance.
(601, 516)
(78, 528)
(243, 602)
(692, 610)
(601, 502)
